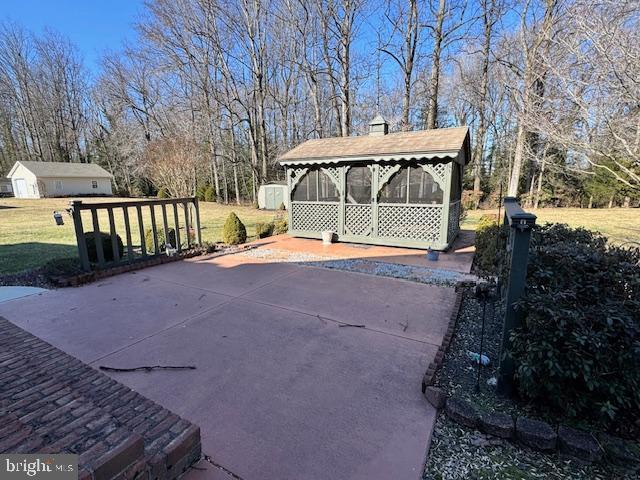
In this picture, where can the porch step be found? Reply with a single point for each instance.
(51, 402)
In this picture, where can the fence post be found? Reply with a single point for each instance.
(520, 224)
(198, 228)
(76, 213)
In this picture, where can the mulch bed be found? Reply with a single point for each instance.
(460, 453)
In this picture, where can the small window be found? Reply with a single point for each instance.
(315, 186)
(58, 185)
(94, 184)
(359, 185)
(411, 184)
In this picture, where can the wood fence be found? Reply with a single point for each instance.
(170, 224)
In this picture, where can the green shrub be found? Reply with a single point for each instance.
(264, 229)
(280, 226)
(282, 206)
(234, 231)
(106, 246)
(578, 350)
(488, 246)
(148, 240)
(163, 193)
(201, 192)
(210, 194)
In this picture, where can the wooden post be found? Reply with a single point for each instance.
(166, 228)
(198, 230)
(154, 231)
(143, 247)
(185, 205)
(520, 224)
(127, 228)
(80, 240)
(97, 237)
(114, 239)
(177, 224)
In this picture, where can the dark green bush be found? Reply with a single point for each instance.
(488, 247)
(282, 206)
(210, 194)
(234, 231)
(148, 240)
(163, 193)
(106, 246)
(280, 226)
(201, 192)
(264, 229)
(578, 351)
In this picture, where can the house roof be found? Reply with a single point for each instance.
(441, 142)
(63, 169)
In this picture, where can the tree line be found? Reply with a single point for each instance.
(212, 92)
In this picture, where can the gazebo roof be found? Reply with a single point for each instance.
(443, 143)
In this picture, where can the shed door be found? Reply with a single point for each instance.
(358, 213)
(21, 188)
(278, 197)
(269, 198)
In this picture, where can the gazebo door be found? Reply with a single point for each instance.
(358, 208)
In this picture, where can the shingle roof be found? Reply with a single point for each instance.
(64, 169)
(441, 140)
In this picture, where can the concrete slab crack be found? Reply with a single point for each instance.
(208, 459)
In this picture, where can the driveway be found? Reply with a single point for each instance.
(287, 384)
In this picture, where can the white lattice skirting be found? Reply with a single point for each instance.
(314, 217)
(454, 221)
(410, 222)
(357, 220)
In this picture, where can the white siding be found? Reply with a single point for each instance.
(24, 183)
(61, 186)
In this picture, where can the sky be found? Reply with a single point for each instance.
(94, 26)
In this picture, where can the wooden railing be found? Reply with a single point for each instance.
(132, 251)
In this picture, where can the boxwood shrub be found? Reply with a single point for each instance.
(106, 246)
(578, 351)
(234, 231)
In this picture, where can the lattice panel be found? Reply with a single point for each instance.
(437, 171)
(334, 174)
(357, 220)
(454, 221)
(385, 172)
(314, 217)
(410, 222)
(296, 175)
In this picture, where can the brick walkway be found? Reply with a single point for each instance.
(51, 402)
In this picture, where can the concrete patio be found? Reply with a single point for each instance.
(284, 386)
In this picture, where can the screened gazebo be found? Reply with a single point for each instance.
(399, 189)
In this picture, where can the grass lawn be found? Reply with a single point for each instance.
(29, 237)
(620, 225)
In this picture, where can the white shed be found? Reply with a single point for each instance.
(59, 179)
(272, 195)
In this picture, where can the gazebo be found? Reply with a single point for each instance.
(398, 189)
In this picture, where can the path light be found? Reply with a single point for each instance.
(57, 216)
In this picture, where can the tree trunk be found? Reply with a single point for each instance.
(432, 109)
(539, 187)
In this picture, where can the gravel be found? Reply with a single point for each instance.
(406, 272)
(412, 273)
(460, 453)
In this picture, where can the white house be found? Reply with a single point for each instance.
(58, 179)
